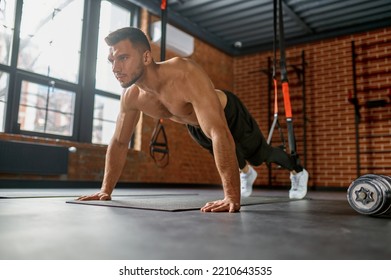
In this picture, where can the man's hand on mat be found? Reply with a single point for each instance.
(225, 205)
(96, 196)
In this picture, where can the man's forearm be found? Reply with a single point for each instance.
(115, 162)
(227, 165)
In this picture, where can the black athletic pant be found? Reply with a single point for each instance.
(251, 145)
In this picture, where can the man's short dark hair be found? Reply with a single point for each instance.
(136, 36)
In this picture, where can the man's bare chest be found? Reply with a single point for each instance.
(167, 107)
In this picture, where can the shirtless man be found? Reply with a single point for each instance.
(179, 90)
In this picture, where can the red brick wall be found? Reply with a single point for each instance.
(331, 154)
(331, 157)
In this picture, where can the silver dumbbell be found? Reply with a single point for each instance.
(371, 195)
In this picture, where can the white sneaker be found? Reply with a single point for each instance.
(299, 185)
(246, 181)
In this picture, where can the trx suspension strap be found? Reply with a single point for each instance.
(284, 83)
(159, 143)
(275, 87)
(163, 8)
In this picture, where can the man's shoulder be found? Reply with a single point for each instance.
(133, 90)
(130, 96)
(185, 67)
(180, 61)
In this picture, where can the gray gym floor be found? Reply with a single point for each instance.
(321, 227)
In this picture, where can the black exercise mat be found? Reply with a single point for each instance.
(59, 194)
(174, 203)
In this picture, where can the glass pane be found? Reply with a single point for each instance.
(4, 78)
(46, 109)
(50, 38)
(112, 17)
(105, 115)
(7, 19)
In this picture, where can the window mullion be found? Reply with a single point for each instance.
(85, 100)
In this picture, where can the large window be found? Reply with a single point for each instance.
(49, 45)
(54, 77)
(106, 105)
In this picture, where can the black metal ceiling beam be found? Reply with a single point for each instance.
(186, 25)
(186, 5)
(220, 22)
(358, 21)
(296, 18)
(225, 9)
(320, 9)
(317, 36)
(210, 7)
(373, 7)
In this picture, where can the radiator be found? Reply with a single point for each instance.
(33, 158)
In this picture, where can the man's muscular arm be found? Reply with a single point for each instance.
(118, 148)
(211, 118)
